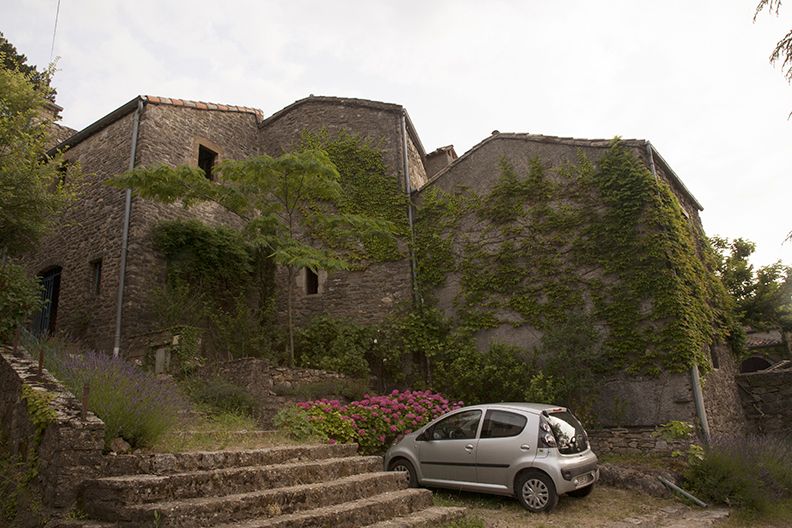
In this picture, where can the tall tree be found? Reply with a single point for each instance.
(763, 297)
(32, 188)
(15, 61)
(285, 203)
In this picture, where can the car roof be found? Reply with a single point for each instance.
(523, 406)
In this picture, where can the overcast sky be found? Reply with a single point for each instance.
(691, 76)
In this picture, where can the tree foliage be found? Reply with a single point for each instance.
(285, 203)
(32, 186)
(763, 297)
(15, 61)
(783, 49)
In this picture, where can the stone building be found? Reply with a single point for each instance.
(100, 264)
(82, 263)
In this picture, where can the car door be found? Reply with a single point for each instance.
(448, 455)
(508, 440)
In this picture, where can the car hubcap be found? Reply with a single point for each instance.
(535, 494)
(404, 470)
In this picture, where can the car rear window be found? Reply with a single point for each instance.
(502, 424)
(568, 432)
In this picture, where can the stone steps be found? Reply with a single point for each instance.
(298, 486)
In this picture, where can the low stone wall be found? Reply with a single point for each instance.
(767, 401)
(70, 450)
(633, 441)
(276, 387)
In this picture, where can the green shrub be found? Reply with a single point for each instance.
(748, 472)
(499, 374)
(19, 297)
(338, 345)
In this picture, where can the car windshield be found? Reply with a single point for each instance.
(568, 432)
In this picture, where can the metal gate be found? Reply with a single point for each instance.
(44, 321)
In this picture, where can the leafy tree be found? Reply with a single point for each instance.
(32, 189)
(763, 297)
(285, 203)
(783, 49)
(14, 61)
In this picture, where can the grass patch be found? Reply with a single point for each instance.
(219, 432)
(604, 506)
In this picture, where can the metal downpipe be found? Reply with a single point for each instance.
(408, 190)
(125, 237)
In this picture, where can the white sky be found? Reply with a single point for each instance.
(692, 77)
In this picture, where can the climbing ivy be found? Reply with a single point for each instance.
(369, 191)
(608, 241)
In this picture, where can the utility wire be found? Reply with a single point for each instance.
(52, 50)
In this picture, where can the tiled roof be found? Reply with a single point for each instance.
(203, 105)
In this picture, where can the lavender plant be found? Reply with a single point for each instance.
(133, 404)
(747, 472)
(373, 422)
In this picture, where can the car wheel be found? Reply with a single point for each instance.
(582, 492)
(536, 492)
(405, 465)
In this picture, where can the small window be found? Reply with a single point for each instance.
(502, 424)
(206, 160)
(311, 282)
(96, 277)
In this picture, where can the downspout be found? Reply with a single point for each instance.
(408, 190)
(125, 237)
(695, 380)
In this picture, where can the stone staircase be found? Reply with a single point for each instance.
(289, 486)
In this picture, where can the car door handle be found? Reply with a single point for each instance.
(469, 447)
(525, 447)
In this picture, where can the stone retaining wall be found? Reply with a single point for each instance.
(633, 441)
(70, 450)
(276, 387)
(767, 401)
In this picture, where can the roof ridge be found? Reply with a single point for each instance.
(203, 105)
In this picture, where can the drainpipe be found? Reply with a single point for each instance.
(695, 381)
(408, 190)
(125, 237)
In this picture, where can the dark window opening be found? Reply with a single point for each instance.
(96, 277)
(206, 160)
(714, 357)
(44, 321)
(311, 282)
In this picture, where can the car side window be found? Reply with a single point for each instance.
(457, 426)
(502, 424)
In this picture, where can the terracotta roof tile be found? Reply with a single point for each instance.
(205, 106)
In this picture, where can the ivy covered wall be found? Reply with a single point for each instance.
(526, 233)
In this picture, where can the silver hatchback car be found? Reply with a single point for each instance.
(532, 451)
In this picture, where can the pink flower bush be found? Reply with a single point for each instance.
(378, 415)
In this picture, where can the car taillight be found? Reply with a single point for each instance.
(546, 436)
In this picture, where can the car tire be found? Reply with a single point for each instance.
(536, 492)
(402, 464)
(582, 492)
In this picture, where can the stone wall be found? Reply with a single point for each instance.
(767, 401)
(277, 387)
(70, 450)
(634, 440)
(369, 295)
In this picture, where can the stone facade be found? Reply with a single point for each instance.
(87, 246)
(174, 132)
(70, 450)
(767, 401)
